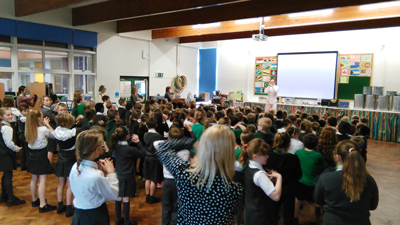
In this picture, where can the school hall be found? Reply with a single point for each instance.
(81, 45)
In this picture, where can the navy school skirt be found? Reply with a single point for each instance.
(97, 216)
(38, 162)
(66, 159)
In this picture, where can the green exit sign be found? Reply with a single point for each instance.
(159, 74)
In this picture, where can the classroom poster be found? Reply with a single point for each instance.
(344, 80)
(354, 72)
(344, 72)
(354, 65)
(365, 72)
(367, 58)
(355, 58)
(265, 71)
(344, 58)
(344, 65)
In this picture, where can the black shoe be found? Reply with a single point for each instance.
(47, 208)
(147, 198)
(153, 200)
(70, 211)
(61, 208)
(36, 203)
(133, 223)
(15, 201)
(3, 199)
(120, 222)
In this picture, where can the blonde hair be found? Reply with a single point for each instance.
(265, 123)
(65, 120)
(3, 111)
(31, 125)
(88, 105)
(41, 100)
(86, 143)
(215, 154)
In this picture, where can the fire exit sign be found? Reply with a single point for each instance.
(159, 74)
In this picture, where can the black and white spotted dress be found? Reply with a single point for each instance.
(218, 205)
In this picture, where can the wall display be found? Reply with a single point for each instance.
(354, 72)
(265, 71)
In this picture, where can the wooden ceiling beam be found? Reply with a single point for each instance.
(29, 7)
(122, 9)
(339, 14)
(343, 26)
(242, 10)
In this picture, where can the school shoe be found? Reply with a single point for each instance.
(132, 223)
(147, 199)
(15, 201)
(47, 208)
(153, 200)
(120, 222)
(36, 203)
(69, 211)
(3, 199)
(160, 185)
(61, 208)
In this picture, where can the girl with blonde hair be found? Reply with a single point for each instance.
(207, 193)
(39, 165)
(349, 193)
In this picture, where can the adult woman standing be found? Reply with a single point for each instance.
(22, 100)
(168, 94)
(102, 90)
(207, 194)
(135, 96)
(349, 193)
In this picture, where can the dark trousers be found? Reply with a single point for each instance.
(97, 216)
(288, 209)
(169, 202)
(141, 163)
(7, 186)
(24, 152)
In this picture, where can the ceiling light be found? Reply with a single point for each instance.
(207, 25)
(380, 5)
(312, 13)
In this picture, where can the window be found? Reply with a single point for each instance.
(30, 58)
(5, 56)
(56, 60)
(24, 79)
(84, 83)
(61, 84)
(83, 62)
(5, 78)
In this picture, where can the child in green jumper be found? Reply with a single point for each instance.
(310, 161)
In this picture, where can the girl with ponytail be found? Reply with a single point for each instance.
(348, 194)
(92, 183)
(125, 166)
(260, 192)
(288, 165)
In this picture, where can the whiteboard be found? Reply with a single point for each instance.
(307, 75)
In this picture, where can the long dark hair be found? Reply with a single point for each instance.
(20, 90)
(119, 135)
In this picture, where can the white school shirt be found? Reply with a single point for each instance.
(91, 188)
(261, 179)
(63, 134)
(15, 112)
(105, 109)
(184, 155)
(7, 133)
(41, 140)
(281, 130)
(295, 145)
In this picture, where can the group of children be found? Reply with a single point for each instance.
(279, 157)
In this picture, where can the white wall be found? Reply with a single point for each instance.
(236, 57)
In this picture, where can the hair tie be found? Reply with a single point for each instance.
(350, 150)
(245, 145)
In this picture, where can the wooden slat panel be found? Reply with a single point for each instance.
(243, 10)
(28, 7)
(353, 25)
(116, 10)
(339, 14)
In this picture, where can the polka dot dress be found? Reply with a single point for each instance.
(217, 205)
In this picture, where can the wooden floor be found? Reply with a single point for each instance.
(383, 164)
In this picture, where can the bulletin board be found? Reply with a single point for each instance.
(265, 70)
(354, 72)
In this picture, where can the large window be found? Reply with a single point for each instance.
(5, 56)
(84, 83)
(56, 60)
(83, 62)
(5, 78)
(61, 84)
(30, 58)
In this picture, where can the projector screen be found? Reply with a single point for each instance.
(307, 75)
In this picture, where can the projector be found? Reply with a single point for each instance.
(260, 37)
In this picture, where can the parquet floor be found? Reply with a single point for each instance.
(383, 164)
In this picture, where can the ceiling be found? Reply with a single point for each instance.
(212, 20)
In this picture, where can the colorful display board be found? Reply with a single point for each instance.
(354, 72)
(265, 71)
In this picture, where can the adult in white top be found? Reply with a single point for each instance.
(102, 90)
(272, 91)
